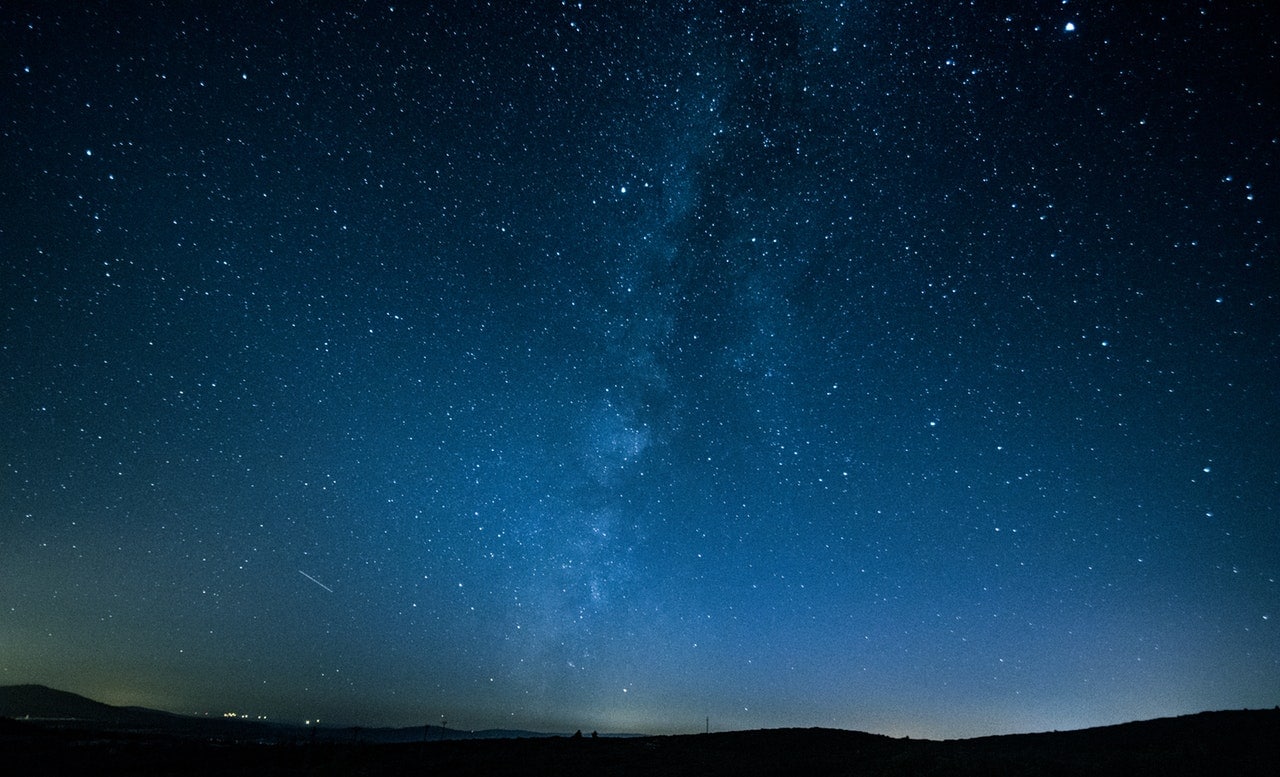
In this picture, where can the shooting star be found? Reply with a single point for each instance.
(317, 582)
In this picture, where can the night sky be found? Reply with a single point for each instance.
(903, 367)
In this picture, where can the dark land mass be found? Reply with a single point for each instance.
(1243, 742)
(56, 709)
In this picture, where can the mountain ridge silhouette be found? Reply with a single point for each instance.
(138, 741)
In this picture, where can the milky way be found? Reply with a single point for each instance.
(905, 367)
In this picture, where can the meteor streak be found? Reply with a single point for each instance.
(317, 582)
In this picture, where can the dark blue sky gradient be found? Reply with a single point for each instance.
(905, 367)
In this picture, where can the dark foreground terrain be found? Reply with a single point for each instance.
(1235, 743)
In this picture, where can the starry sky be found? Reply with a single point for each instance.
(908, 367)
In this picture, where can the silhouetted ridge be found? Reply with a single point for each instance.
(39, 701)
(1241, 743)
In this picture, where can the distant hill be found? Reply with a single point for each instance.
(49, 706)
(69, 734)
(38, 701)
(1240, 744)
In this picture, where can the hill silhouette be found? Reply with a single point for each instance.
(39, 701)
(54, 708)
(64, 739)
